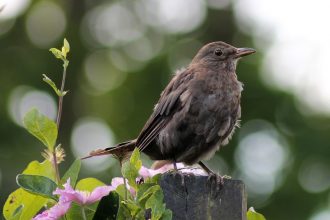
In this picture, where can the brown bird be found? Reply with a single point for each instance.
(197, 112)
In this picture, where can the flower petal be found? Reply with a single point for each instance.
(55, 212)
(145, 172)
(115, 182)
(98, 193)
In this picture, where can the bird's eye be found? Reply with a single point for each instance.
(218, 52)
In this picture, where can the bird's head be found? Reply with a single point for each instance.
(220, 54)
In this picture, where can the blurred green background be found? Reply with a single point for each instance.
(123, 54)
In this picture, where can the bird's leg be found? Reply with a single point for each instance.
(177, 172)
(205, 168)
(212, 175)
(174, 165)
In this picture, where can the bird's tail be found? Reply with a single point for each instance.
(120, 150)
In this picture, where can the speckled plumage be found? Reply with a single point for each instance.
(198, 110)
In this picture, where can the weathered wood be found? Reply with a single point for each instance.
(196, 197)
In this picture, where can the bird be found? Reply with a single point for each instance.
(196, 113)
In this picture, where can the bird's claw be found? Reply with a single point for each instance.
(217, 180)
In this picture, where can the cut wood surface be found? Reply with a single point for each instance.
(197, 197)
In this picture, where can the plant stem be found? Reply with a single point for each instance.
(57, 172)
(125, 187)
(124, 179)
(83, 213)
(58, 120)
(60, 100)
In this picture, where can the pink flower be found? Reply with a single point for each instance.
(82, 197)
(164, 167)
(146, 172)
(117, 181)
(54, 212)
(69, 195)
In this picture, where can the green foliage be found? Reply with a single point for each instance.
(78, 212)
(130, 169)
(62, 54)
(41, 127)
(108, 207)
(36, 184)
(52, 84)
(149, 195)
(17, 213)
(88, 184)
(72, 173)
(37, 180)
(22, 204)
(65, 48)
(253, 215)
(57, 53)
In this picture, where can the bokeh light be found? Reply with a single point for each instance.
(322, 215)
(314, 175)
(89, 134)
(112, 24)
(296, 47)
(123, 62)
(218, 4)
(101, 74)
(218, 165)
(6, 25)
(22, 99)
(145, 48)
(12, 8)
(261, 157)
(181, 55)
(45, 23)
(172, 16)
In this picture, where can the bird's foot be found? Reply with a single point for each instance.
(176, 172)
(216, 180)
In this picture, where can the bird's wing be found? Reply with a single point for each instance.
(167, 105)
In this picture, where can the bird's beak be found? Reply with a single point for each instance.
(241, 52)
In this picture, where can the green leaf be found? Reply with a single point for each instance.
(142, 188)
(88, 184)
(108, 207)
(36, 184)
(57, 53)
(130, 173)
(167, 215)
(151, 190)
(143, 214)
(121, 192)
(30, 203)
(75, 212)
(253, 215)
(72, 172)
(65, 48)
(123, 213)
(17, 213)
(135, 159)
(132, 207)
(52, 84)
(43, 169)
(155, 203)
(130, 169)
(41, 127)
(155, 179)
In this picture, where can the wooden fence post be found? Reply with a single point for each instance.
(195, 197)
